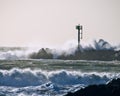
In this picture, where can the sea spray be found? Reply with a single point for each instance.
(101, 50)
(69, 50)
(27, 77)
(13, 53)
(27, 82)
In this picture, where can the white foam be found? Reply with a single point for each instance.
(28, 77)
(27, 82)
(68, 48)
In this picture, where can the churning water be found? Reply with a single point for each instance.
(53, 77)
(21, 76)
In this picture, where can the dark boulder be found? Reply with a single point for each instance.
(110, 89)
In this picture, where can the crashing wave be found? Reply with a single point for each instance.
(27, 82)
(100, 50)
(27, 77)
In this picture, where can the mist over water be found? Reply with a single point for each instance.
(99, 50)
(67, 49)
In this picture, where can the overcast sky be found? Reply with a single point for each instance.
(24, 22)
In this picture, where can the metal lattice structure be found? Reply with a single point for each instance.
(80, 34)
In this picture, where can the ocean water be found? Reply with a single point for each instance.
(21, 76)
(53, 77)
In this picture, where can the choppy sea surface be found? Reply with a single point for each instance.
(52, 77)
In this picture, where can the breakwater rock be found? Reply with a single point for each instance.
(110, 89)
(101, 50)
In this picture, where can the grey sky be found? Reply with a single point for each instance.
(53, 22)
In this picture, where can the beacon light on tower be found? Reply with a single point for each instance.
(80, 33)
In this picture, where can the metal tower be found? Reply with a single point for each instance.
(80, 33)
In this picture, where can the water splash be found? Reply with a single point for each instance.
(27, 77)
(67, 49)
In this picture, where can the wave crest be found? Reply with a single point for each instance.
(27, 77)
